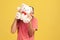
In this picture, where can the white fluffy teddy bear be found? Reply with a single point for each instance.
(23, 15)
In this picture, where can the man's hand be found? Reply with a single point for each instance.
(18, 14)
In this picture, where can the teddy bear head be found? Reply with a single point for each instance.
(25, 11)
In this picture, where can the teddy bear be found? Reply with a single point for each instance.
(23, 13)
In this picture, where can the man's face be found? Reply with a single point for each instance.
(32, 12)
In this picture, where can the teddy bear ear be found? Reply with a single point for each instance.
(18, 8)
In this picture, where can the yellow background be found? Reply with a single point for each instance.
(46, 11)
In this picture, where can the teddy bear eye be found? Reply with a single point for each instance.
(24, 8)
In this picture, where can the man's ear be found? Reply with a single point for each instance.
(32, 14)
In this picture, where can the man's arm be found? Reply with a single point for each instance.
(13, 27)
(30, 30)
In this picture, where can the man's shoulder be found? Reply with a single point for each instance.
(34, 19)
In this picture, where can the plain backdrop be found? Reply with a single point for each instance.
(46, 11)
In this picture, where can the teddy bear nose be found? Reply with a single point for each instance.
(24, 12)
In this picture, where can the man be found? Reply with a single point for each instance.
(25, 30)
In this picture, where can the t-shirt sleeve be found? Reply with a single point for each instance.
(35, 24)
